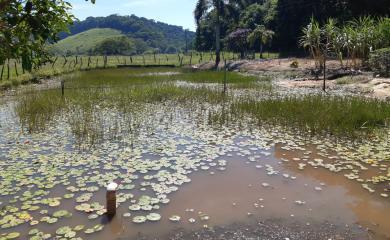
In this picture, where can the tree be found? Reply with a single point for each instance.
(237, 41)
(116, 46)
(26, 27)
(202, 6)
(263, 35)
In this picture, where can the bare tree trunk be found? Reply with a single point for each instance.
(261, 50)
(218, 37)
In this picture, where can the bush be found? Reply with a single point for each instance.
(294, 64)
(380, 62)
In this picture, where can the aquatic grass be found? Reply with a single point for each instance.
(37, 109)
(352, 116)
(85, 108)
(126, 76)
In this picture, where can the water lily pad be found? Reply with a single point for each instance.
(78, 228)
(62, 213)
(175, 218)
(154, 217)
(13, 235)
(139, 219)
(63, 230)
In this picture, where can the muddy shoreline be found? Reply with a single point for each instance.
(271, 229)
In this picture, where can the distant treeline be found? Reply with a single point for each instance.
(285, 17)
(156, 36)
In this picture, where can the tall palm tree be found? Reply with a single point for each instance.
(202, 7)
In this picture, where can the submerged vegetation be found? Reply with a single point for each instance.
(126, 90)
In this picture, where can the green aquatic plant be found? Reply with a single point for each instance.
(319, 114)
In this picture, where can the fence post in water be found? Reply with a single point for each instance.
(63, 87)
(225, 79)
(111, 199)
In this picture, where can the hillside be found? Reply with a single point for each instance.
(84, 42)
(156, 35)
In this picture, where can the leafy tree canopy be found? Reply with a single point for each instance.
(26, 26)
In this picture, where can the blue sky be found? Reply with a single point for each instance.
(176, 12)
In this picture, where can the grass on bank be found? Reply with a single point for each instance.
(341, 116)
(13, 75)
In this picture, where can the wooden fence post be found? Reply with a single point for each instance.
(16, 68)
(2, 71)
(63, 87)
(8, 69)
(65, 62)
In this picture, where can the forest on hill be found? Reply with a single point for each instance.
(285, 18)
(142, 35)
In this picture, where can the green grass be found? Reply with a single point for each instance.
(340, 116)
(61, 65)
(352, 80)
(126, 76)
(83, 42)
(90, 95)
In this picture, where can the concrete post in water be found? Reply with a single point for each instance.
(111, 199)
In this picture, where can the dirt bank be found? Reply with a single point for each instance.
(304, 76)
(270, 230)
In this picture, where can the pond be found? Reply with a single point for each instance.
(188, 157)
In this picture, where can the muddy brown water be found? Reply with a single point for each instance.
(228, 196)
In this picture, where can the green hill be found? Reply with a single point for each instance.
(85, 42)
(146, 34)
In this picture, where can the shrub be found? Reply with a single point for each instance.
(294, 64)
(380, 62)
